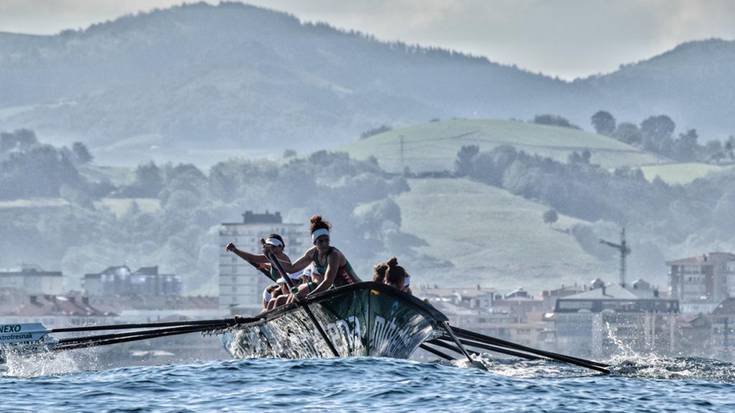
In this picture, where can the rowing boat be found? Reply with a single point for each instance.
(363, 319)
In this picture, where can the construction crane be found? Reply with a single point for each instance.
(624, 252)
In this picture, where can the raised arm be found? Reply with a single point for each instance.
(301, 263)
(333, 262)
(251, 258)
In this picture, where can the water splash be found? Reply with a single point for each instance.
(679, 368)
(49, 363)
(625, 361)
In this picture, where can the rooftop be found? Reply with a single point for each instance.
(705, 259)
(727, 307)
(446, 292)
(26, 269)
(124, 270)
(638, 290)
(136, 302)
(54, 305)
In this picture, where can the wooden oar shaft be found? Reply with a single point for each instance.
(454, 338)
(548, 354)
(449, 346)
(152, 333)
(147, 325)
(497, 349)
(435, 352)
(142, 336)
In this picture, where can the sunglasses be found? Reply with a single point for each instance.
(322, 240)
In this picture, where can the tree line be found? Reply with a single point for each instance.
(182, 235)
(656, 134)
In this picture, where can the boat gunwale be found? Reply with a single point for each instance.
(425, 308)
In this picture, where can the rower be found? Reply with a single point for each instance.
(331, 268)
(379, 272)
(268, 294)
(297, 278)
(276, 244)
(407, 285)
(396, 276)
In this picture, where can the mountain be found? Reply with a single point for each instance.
(200, 82)
(694, 84)
(240, 76)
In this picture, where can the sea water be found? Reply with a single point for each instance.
(370, 384)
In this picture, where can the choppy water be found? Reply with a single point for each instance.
(361, 384)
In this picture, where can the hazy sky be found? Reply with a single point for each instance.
(566, 38)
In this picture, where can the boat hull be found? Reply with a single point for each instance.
(364, 319)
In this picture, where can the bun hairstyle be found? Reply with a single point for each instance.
(395, 275)
(379, 272)
(317, 222)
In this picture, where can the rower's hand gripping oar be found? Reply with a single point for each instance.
(294, 290)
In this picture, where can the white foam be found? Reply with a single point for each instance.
(48, 363)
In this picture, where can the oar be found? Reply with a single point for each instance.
(496, 349)
(547, 354)
(436, 352)
(235, 320)
(274, 262)
(150, 333)
(35, 332)
(500, 342)
(450, 346)
(125, 339)
(449, 331)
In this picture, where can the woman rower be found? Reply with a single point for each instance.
(379, 272)
(330, 266)
(276, 245)
(396, 276)
(268, 294)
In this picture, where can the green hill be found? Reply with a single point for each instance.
(680, 173)
(492, 237)
(433, 146)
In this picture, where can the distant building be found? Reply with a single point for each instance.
(550, 296)
(33, 280)
(515, 316)
(144, 309)
(53, 310)
(723, 330)
(594, 322)
(120, 280)
(240, 284)
(702, 282)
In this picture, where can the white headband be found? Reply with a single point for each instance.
(318, 233)
(274, 241)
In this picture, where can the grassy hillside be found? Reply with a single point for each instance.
(119, 206)
(433, 146)
(492, 237)
(680, 173)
